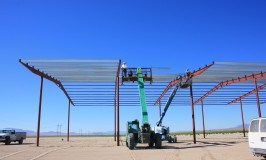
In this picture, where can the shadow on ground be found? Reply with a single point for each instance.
(200, 144)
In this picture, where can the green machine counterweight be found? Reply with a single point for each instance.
(142, 97)
(144, 134)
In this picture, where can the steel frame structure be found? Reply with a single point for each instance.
(248, 94)
(65, 71)
(91, 82)
(233, 79)
(98, 83)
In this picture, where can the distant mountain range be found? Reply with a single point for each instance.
(52, 133)
(240, 126)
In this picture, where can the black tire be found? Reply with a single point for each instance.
(151, 144)
(158, 141)
(152, 139)
(264, 157)
(131, 141)
(20, 141)
(170, 139)
(8, 141)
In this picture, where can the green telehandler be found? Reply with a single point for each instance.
(144, 134)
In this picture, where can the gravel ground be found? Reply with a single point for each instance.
(214, 147)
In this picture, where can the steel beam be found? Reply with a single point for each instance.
(118, 114)
(115, 110)
(203, 123)
(115, 103)
(39, 113)
(243, 123)
(257, 96)
(118, 103)
(228, 82)
(68, 121)
(160, 110)
(46, 76)
(193, 116)
(172, 83)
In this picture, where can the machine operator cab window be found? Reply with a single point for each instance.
(133, 127)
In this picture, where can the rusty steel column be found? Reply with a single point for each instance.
(193, 117)
(118, 115)
(203, 123)
(160, 110)
(115, 110)
(257, 96)
(68, 121)
(243, 123)
(39, 114)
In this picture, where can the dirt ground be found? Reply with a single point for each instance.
(214, 147)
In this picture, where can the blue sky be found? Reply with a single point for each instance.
(177, 34)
